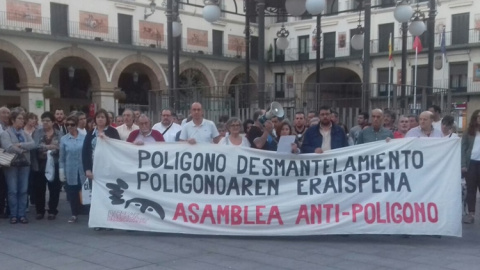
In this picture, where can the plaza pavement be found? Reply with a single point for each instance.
(56, 244)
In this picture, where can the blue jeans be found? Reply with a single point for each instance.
(17, 184)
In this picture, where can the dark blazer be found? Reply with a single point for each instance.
(87, 151)
(313, 139)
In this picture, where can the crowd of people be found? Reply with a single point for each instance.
(70, 141)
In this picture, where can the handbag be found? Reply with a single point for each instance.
(86, 193)
(20, 161)
(6, 158)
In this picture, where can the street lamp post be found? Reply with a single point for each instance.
(171, 79)
(366, 53)
(403, 13)
(431, 40)
(261, 52)
(318, 40)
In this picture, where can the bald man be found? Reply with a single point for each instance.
(199, 130)
(375, 132)
(425, 128)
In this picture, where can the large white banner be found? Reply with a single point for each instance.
(406, 186)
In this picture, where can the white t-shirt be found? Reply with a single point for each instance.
(437, 124)
(226, 141)
(203, 133)
(171, 133)
(124, 131)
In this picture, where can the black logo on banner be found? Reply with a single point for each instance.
(117, 190)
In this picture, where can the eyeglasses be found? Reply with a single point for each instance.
(70, 125)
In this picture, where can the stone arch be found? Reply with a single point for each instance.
(237, 71)
(192, 64)
(339, 87)
(21, 61)
(153, 71)
(93, 65)
(329, 74)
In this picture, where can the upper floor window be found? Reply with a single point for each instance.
(331, 6)
(384, 32)
(282, 15)
(387, 3)
(460, 28)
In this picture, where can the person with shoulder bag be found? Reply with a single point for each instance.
(15, 140)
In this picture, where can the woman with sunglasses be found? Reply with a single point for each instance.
(71, 167)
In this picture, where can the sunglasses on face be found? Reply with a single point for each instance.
(70, 125)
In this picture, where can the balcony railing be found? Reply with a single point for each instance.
(148, 37)
(344, 49)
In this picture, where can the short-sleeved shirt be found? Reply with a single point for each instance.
(124, 131)
(370, 135)
(171, 133)
(203, 133)
(226, 141)
(417, 132)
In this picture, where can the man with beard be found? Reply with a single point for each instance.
(324, 136)
(362, 121)
(59, 122)
(167, 127)
(299, 127)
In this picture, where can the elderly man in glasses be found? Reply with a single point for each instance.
(145, 134)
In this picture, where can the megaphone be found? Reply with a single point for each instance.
(276, 110)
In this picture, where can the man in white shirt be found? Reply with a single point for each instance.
(128, 126)
(199, 130)
(167, 127)
(437, 119)
(82, 123)
(425, 128)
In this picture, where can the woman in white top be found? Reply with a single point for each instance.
(233, 137)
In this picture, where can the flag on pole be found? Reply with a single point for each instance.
(417, 45)
(390, 41)
(443, 48)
